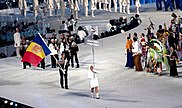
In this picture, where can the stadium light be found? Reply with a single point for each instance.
(5, 101)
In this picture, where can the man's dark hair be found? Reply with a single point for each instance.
(135, 39)
(160, 26)
(63, 22)
(135, 34)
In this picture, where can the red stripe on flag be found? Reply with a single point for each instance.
(31, 58)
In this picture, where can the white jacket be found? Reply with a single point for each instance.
(61, 48)
(136, 47)
(93, 79)
(17, 39)
(92, 75)
(81, 34)
(53, 49)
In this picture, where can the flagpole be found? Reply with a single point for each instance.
(59, 64)
(53, 55)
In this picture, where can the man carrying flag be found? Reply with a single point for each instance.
(36, 51)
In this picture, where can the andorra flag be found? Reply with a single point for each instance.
(36, 51)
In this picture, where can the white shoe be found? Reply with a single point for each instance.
(97, 96)
(18, 56)
(128, 13)
(138, 13)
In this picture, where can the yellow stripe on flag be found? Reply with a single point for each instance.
(36, 49)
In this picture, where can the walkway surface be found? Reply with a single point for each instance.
(120, 87)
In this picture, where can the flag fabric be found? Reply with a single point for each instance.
(36, 51)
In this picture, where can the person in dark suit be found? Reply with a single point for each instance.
(23, 48)
(173, 58)
(171, 39)
(42, 63)
(63, 65)
(73, 51)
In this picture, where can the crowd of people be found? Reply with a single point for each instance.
(58, 44)
(64, 51)
(173, 4)
(152, 50)
(142, 51)
(28, 29)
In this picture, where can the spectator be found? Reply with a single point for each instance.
(137, 55)
(63, 70)
(74, 50)
(159, 4)
(54, 55)
(160, 33)
(24, 45)
(63, 27)
(81, 33)
(168, 3)
(128, 51)
(173, 58)
(17, 41)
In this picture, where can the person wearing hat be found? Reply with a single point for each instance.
(174, 19)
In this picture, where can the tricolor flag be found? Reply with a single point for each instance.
(36, 51)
